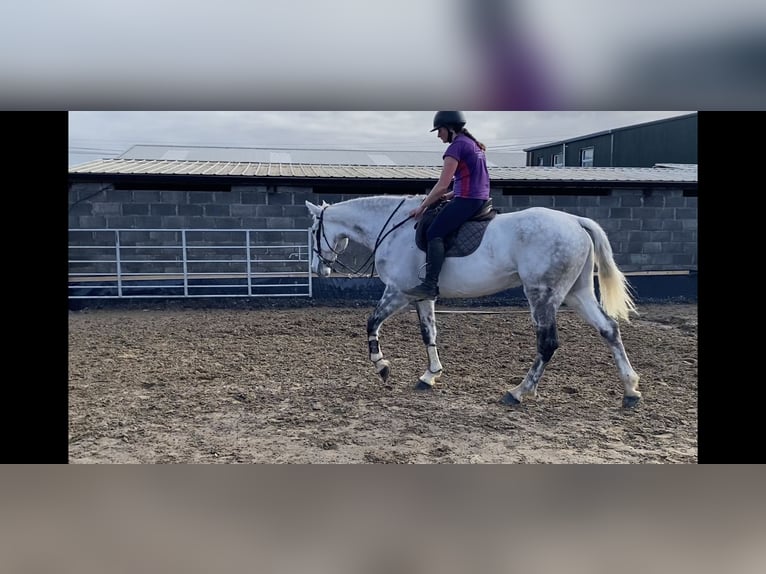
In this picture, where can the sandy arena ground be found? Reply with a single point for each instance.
(293, 384)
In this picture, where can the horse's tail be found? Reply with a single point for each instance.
(616, 297)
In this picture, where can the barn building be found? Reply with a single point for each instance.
(135, 221)
(669, 140)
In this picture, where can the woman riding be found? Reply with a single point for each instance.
(466, 164)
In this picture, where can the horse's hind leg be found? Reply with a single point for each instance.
(390, 303)
(586, 305)
(427, 317)
(544, 307)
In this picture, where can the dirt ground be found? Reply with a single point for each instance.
(294, 385)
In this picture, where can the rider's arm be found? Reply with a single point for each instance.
(440, 188)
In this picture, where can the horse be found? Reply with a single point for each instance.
(549, 253)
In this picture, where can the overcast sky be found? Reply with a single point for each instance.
(107, 134)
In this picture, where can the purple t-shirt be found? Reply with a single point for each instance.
(471, 176)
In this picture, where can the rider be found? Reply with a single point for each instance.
(465, 162)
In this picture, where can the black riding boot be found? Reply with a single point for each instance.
(429, 288)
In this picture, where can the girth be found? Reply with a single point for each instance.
(466, 238)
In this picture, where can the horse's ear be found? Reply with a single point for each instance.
(313, 209)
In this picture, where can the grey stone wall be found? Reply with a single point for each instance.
(650, 230)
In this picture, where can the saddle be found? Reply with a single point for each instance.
(465, 239)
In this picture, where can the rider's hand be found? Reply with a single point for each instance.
(418, 211)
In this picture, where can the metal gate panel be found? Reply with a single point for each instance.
(174, 263)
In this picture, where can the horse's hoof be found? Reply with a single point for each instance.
(384, 372)
(510, 400)
(630, 402)
(423, 386)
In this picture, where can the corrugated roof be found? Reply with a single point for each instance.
(674, 173)
(307, 156)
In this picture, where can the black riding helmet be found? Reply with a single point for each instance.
(448, 119)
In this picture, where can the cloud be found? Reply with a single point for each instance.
(101, 134)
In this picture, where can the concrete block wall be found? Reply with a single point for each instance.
(650, 230)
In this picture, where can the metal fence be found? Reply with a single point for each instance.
(165, 263)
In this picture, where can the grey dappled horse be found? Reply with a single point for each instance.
(549, 253)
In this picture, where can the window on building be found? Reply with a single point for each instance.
(586, 157)
(557, 160)
(541, 160)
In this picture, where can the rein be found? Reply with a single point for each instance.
(378, 241)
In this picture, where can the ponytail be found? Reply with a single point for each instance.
(478, 143)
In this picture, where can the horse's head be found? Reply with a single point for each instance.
(327, 240)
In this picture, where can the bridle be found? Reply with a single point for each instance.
(320, 234)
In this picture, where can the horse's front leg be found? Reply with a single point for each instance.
(390, 303)
(427, 317)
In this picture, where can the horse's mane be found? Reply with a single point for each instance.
(377, 200)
